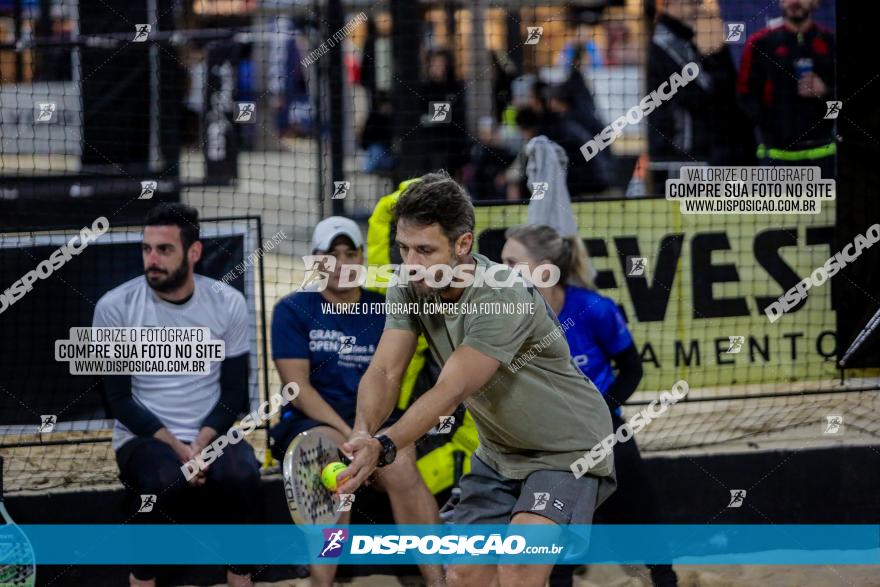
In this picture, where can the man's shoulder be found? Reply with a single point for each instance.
(313, 299)
(397, 293)
(132, 291)
(510, 284)
(662, 33)
(485, 261)
(671, 32)
(668, 49)
(770, 34)
(298, 300)
(371, 297)
(587, 299)
(823, 31)
(578, 297)
(515, 292)
(220, 293)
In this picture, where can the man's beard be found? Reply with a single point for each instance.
(172, 280)
(427, 293)
(797, 15)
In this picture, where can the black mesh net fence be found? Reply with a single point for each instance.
(269, 116)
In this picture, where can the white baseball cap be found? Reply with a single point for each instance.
(328, 229)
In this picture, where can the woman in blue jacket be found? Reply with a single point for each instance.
(603, 349)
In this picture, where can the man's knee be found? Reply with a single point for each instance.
(164, 482)
(154, 469)
(523, 575)
(456, 577)
(237, 467)
(402, 475)
(468, 575)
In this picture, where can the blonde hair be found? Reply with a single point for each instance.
(568, 253)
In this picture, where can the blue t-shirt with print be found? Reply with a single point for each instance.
(339, 347)
(599, 332)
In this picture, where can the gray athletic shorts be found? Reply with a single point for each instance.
(489, 498)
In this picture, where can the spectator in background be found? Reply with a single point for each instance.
(245, 93)
(444, 144)
(680, 129)
(603, 349)
(286, 81)
(529, 123)
(786, 77)
(485, 173)
(620, 47)
(164, 421)
(562, 125)
(550, 112)
(734, 142)
(377, 70)
(702, 122)
(580, 97)
(377, 66)
(503, 74)
(377, 136)
(537, 97)
(583, 42)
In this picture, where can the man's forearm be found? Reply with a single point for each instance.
(377, 395)
(205, 436)
(629, 373)
(425, 413)
(126, 410)
(165, 436)
(233, 393)
(310, 403)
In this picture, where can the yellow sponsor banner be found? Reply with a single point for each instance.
(706, 278)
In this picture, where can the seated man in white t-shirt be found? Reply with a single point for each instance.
(163, 421)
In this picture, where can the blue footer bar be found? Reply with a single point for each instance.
(444, 544)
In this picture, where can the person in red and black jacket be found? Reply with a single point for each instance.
(786, 77)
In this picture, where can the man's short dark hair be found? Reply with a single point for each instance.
(175, 214)
(527, 119)
(559, 92)
(437, 198)
(539, 90)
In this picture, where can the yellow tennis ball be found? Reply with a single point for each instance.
(330, 473)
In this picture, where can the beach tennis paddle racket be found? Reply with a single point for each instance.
(307, 498)
(869, 328)
(17, 563)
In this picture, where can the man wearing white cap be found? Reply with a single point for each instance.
(325, 351)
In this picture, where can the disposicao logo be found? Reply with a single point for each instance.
(334, 539)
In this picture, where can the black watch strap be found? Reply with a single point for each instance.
(388, 452)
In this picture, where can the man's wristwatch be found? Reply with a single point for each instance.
(388, 452)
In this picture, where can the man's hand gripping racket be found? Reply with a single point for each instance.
(309, 501)
(364, 451)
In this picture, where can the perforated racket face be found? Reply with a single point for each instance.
(17, 560)
(307, 498)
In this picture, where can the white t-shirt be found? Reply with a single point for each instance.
(181, 402)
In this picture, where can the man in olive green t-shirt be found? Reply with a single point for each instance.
(504, 354)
